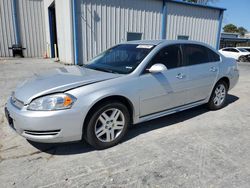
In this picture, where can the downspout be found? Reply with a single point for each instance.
(219, 30)
(15, 22)
(75, 28)
(164, 20)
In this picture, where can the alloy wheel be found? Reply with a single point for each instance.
(220, 95)
(109, 125)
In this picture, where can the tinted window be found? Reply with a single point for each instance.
(195, 54)
(242, 50)
(247, 49)
(234, 50)
(213, 57)
(230, 50)
(170, 56)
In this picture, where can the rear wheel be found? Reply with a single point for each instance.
(108, 125)
(219, 96)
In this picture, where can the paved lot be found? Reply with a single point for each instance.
(195, 148)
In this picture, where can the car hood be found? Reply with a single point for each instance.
(59, 80)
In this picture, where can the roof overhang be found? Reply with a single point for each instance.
(196, 4)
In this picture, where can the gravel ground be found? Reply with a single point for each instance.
(194, 148)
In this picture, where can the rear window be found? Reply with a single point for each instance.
(242, 50)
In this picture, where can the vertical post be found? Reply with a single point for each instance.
(56, 56)
(75, 28)
(219, 30)
(15, 23)
(164, 20)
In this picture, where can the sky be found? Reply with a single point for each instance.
(237, 13)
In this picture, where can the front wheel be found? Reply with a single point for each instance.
(108, 125)
(242, 59)
(218, 96)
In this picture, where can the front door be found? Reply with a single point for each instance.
(164, 90)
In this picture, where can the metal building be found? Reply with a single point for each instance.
(22, 22)
(83, 28)
(103, 23)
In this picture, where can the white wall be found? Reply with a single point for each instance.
(64, 29)
(47, 3)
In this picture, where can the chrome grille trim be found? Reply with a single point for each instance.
(42, 133)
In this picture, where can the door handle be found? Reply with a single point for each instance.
(213, 69)
(180, 76)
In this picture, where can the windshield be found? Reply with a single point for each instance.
(122, 59)
(242, 50)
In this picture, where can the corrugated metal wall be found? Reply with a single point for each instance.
(198, 23)
(7, 36)
(104, 23)
(30, 15)
(32, 27)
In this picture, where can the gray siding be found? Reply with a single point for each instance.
(7, 37)
(198, 23)
(30, 25)
(104, 23)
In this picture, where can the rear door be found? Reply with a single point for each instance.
(202, 69)
(164, 90)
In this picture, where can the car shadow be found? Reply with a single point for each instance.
(82, 147)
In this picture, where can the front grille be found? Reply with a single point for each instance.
(42, 133)
(17, 103)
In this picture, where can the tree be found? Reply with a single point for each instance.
(242, 31)
(230, 28)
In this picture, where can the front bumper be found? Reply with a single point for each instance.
(46, 126)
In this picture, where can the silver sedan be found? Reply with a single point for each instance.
(129, 83)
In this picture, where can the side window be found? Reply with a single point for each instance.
(170, 56)
(195, 54)
(213, 57)
(234, 50)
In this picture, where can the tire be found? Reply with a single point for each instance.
(103, 130)
(242, 59)
(219, 96)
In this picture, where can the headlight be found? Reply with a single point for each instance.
(52, 102)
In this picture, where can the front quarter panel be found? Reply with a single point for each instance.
(125, 86)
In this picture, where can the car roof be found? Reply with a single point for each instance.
(228, 48)
(157, 42)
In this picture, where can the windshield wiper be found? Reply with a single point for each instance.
(103, 70)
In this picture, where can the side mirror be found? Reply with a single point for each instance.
(157, 68)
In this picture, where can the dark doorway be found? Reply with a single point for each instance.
(52, 28)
